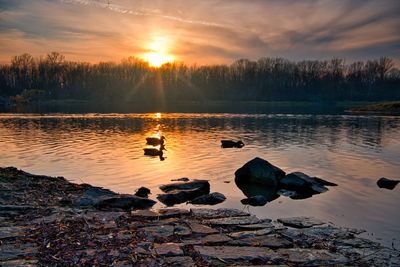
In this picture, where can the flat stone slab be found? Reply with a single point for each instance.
(172, 212)
(168, 249)
(234, 220)
(270, 241)
(232, 254)
(159, 231)
(246, 234)
(309, 236)
(311, 257)
(300, 222)
(264, 224)
(200, 229)
(184, 261)
(11, 232)
(215, 239)
(217, 213)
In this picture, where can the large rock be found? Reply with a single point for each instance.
(303, 184)
(182, 196)
(195, 184)
(259, 171)
(210, 199)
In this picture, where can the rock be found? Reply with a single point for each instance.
(217, 213)
(201, 229)
(234, 220)
(143, 192)
(271, 241)
(159, 231)
(195, 184)
(246, 234)
(259, 171)
(215, 239)
(146, 214)
(182, 230)
(182, 196)
(12, 232)
(168, 249)
(311, 257)
(93, 195)
(300, 222)
(265, 224)
(125, 203)
(303, 184)
(387, 183)
(210, 199)
(169, 213)
(234, 255)
(258, 200)
(231, 144)
(183, 179)
(184, 261)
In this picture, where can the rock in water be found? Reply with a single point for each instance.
(183, 179)
(231, 144)
(143, 192)
(195, 184)
(210, 199)
(387, 183)
(181, 196)
(259, 171)
(258, 200)
(125, 203)
(303, 184)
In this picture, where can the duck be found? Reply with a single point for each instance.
(231, 144)
(155, 141)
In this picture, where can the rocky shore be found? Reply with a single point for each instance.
(48, 221)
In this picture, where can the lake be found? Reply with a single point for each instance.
(107, 150)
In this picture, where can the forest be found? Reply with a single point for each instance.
(52, 77)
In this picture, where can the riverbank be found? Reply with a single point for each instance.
(385, 108)
(43, 222)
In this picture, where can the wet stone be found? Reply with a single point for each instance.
(202, 229)
(256, 226)
(232, 254)
(183, 261)
(234, 220)
(246, 234)
(215, 239)
(167, 213)
(12, 252)
(310, 257)
(182, 230)
(300, 222)
(217, 213)
(270, 241)
(168, 249)
(19, 262)
(159, 231)
(146, 214)
(11, 232)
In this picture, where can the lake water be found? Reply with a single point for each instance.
(107, 150)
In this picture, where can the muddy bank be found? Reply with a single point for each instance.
(48, 221)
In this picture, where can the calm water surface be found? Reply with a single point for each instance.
(107, 150)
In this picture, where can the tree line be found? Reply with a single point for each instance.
(27, 78)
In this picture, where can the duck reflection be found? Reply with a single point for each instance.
(155, 152)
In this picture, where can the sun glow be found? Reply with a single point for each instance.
(158, 52)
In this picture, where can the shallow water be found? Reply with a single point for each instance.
(107, 150)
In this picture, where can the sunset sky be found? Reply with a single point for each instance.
(206, 32)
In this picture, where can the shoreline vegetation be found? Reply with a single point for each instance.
(41, 224)
(52, 78)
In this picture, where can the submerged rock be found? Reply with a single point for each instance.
(195, 184)
(259, 171)
(143, 192)
(125, 203)
(387, 183)
(183, 179)
(182, 196)
(304, 185)
(210, 199)
(258, 200)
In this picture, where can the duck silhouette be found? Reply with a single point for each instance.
(155, 141)
(231, 144)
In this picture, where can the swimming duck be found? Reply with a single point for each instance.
(155, 141)
(231, 143)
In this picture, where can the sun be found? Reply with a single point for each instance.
(158, 52)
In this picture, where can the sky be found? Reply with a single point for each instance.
(202, 32)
